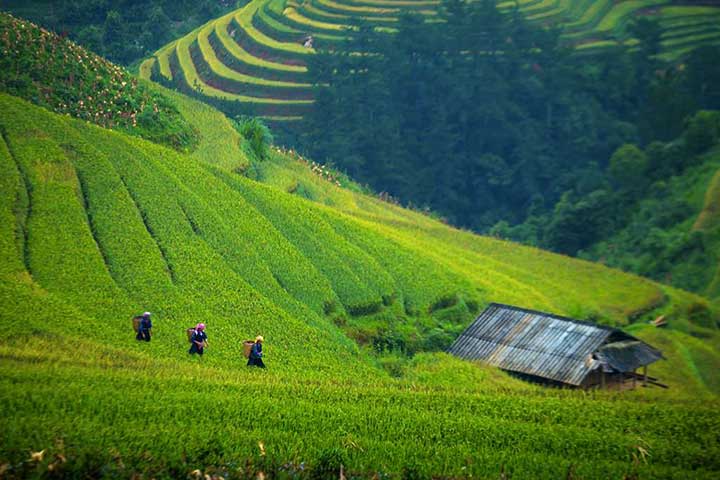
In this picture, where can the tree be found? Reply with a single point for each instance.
(648, 32)
(665, 108)
(577, 224)
(114, 40)
(113, 30)
(628, 166)
(159, 26)
(702, 131)
(702, 76)
(664, 160)
(477, 113)
(91, 37)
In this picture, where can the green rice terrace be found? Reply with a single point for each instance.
(254, 60)
(357, 299)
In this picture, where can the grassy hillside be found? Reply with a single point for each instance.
(98, 226)
(57, 74)
(252, 60)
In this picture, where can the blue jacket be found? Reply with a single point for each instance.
(198, 336)
(256, 350)
(145, 324)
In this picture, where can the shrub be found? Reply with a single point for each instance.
(628, 166)
(437, 340)
(328, 465)
(257, 134)
(57, 74)
(702, 131)
(394, 363)
(699, 314)
(412, 472)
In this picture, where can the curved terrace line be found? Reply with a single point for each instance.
(192, 79)
(311, 10)
(224, 71)
(229, 44)
(244, 19)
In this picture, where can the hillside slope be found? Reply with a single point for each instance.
(51, 71)
(315, 262)
(97, 226)
(672, 234)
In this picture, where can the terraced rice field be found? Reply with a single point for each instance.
(97, 225)
(253, 60)
(187, 238)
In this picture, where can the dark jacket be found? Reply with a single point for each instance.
(144, 329)
(145, 324)
(197, 337)
(255, 359)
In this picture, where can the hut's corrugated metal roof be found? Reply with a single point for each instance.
(628, 355)
(534, 343)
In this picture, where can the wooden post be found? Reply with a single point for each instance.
(644, 375)
(602, 379)
(634, 378)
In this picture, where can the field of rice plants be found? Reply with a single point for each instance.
(253, 60)
(97, 226)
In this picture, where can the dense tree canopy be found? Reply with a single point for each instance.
(476, 115)
(123, 31)
(482, 116)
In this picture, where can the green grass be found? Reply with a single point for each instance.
(163, 60)
(393, 3)
(232, 47)
(709, 25)
(280, 28)
(146, 67)
(324, 33)
(709, 216)
(395, 423)
(189, 239)
(693, 39)
(96, 226)
(547, 10)
(596, 13)
(220, 141)
(687, 10)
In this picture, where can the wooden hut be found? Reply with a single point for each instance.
(555, 349)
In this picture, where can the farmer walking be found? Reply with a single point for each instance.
(144, 330)
(198, 340)
(255, 359)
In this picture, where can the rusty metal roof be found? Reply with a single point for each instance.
(535, 343)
